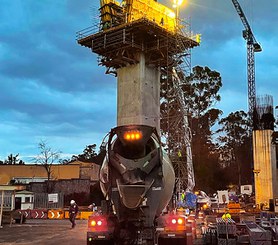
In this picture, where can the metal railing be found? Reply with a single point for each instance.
(87, 31)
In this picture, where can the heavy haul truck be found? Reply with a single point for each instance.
(137, 180)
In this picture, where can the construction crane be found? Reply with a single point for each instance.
(252, 46)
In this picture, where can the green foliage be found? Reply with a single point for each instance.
(13, 160)
(234, 145)
(201, 93)
(88, 154)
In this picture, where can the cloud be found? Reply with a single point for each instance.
(51, 88)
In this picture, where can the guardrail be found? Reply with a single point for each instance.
(87, 31)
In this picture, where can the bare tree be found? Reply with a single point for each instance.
(47, 157)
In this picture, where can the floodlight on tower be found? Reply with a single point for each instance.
(176, 5)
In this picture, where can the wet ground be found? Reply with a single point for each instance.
(45, 232)
(48, 232)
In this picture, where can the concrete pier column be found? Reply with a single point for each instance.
(265, 169)
(138, 99)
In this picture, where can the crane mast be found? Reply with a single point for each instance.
(252, 46)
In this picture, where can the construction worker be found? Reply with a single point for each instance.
(226, 215)
(73, 210)
(183, 196)
(93, 207)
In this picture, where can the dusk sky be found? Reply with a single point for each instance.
(52, 89)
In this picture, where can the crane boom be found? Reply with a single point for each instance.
(249, 34)
(252, 46)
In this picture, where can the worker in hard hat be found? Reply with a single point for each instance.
(92, 207)
(73, 210)
(226, 215)
(183, 196)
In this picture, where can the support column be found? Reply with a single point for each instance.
(13, 201)
(264, 167)
(138, 100)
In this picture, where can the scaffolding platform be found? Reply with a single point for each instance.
(120, 45)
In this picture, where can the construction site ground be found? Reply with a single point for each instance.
(46, 232)
(50, 232)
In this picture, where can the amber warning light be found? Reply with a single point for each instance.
(133, 135)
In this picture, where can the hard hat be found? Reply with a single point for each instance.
(72, 202)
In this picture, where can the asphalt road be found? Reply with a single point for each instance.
(48, 232)
(45, 232)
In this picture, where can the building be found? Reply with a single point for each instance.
(24, 200)
(24, 174)
(74, 180)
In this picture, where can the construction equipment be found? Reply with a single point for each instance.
(252, 46)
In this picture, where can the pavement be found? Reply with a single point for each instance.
(45, 232)
(49, 232)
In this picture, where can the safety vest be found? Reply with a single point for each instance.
(226, 216)
(182, 196)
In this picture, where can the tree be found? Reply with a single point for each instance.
(88, 154)
(13, 159)
(202, 91)
(234, 145)
(47, 157)
(202, 94)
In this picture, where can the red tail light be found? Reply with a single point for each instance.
(97, 223)
(175, 223)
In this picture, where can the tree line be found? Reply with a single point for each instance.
(221, 146)
(12, 160)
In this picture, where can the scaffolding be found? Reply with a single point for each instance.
(176, 117)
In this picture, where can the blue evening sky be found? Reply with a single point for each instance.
(52, 89)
